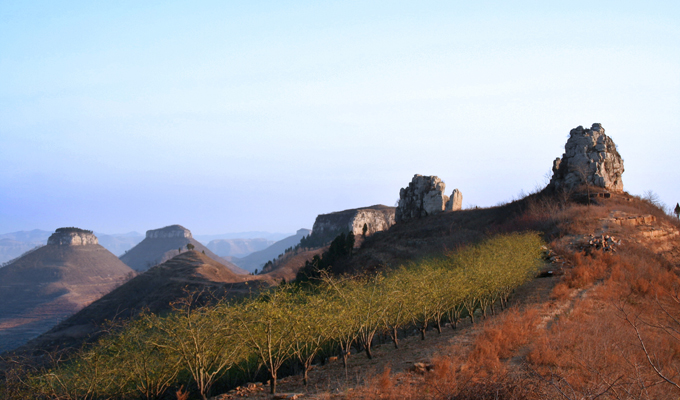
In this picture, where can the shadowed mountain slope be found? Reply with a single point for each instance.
(50, 284)
(163, 244)
(154, 290)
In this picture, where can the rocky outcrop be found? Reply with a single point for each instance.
(590, 157)
(455, 202)
(172, 231)
(72, 237)
(425, 196)
(376, 218)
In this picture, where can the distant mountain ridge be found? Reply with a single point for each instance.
(13, 244)
(238, 247)
(257, 259)
(273, 236)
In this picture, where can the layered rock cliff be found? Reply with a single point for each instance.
(376, 218)
(72, 237)
(590, 157)
(172, 231)
(425, 196)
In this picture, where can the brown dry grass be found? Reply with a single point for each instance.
(613, 328)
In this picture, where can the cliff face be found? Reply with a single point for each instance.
(172, 231)
(72, 237)
(590, 157)
(376, 218)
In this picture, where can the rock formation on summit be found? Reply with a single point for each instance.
(425, 196)
(590, 157)
(455, 202)
(72, 237)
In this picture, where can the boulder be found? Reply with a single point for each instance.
(590, 157)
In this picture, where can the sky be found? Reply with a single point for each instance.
(232, 116)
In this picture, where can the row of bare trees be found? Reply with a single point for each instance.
(291, 324)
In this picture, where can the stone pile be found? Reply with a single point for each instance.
(242, 391)
(421, 368)
(425, 196)
(601, 242)
(554, 258)
(590, 157)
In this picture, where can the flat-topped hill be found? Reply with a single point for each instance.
(53, 282)
(165, 243)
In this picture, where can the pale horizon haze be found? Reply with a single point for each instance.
(228, 116)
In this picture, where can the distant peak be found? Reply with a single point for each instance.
(72, 237)
(169, 232)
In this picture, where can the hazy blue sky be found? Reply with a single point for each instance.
(232, 116)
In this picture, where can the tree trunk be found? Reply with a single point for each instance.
(304, 375)
(272, 384)
(422, 332)
(395, 337)
(345, 354)
(368, 352)
(439, 326)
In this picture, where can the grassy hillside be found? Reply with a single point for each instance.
(598, 321)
